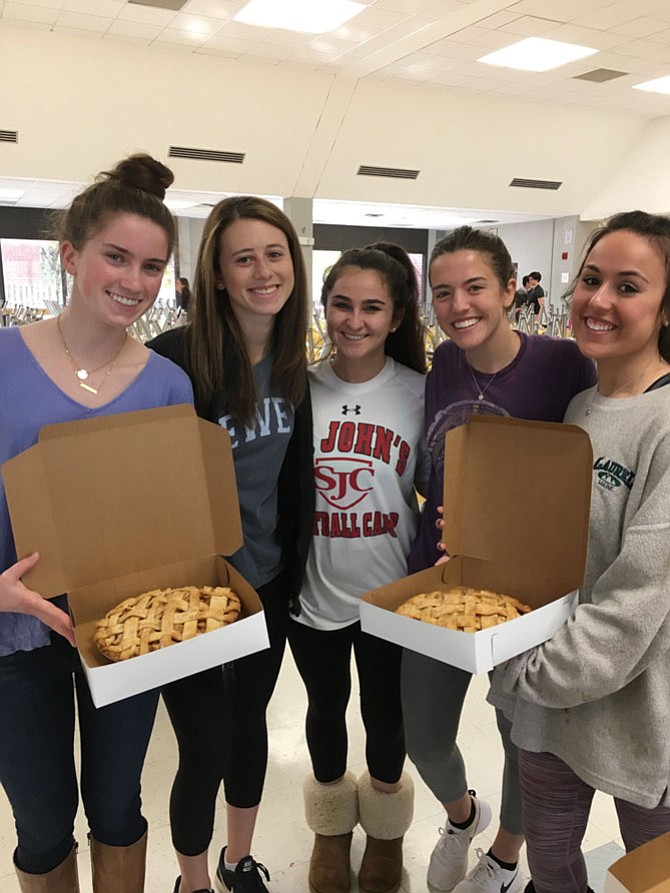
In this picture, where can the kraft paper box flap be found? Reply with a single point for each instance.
(511, 484)
(121, 494)
(646, 869)
(69, 429)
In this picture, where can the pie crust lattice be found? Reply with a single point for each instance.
(163, 617)
(463, 608)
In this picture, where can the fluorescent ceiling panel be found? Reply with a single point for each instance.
(658, 85)
(309, 16)
(537, 54)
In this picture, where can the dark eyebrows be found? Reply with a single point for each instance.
(120, 250)
(634, 274)
(467, 282)
(366, 302)
(265, 248)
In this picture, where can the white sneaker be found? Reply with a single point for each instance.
(449, 859)
(489, 877)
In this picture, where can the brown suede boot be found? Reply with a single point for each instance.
(329, 867)
(118, 869)
(385, 819)
(331, 811)
(381, 868)
(61, 879)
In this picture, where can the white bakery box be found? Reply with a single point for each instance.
(123, 504)
(517, 498)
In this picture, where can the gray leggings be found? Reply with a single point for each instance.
(433, 694)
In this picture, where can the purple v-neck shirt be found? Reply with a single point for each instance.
(538, 384)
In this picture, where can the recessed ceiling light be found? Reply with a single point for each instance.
(310, 16)
(11, 195)
(537, 54)
(658, 85)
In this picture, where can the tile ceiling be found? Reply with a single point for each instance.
(435, 42)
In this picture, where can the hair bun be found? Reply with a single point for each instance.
(143, 172)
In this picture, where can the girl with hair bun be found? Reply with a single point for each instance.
(590, 707)
(484, 367)
(367, 402)
(116, 240)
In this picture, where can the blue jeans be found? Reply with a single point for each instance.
(37, 768)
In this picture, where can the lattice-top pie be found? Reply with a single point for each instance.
(463, 608)
(164, 617)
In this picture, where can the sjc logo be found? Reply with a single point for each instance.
(343, 482)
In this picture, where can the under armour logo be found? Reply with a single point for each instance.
(355, 409)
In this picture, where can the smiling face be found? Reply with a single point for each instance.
(255, 268)
(118, 271)
(616, 303)
(470, 301)
(359, 316)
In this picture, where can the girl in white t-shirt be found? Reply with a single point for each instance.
(367, 402)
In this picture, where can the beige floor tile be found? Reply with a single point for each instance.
(283, 842)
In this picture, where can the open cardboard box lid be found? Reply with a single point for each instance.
(517, 493)
(517, 496)
(644, 870)
(167, 494)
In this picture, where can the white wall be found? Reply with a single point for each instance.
(530, 245)
(642, 181)
(190, 232)
(80, 104)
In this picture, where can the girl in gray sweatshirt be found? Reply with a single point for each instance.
(591, 707)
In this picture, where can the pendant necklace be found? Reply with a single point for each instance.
(83, 374)
(481, 391)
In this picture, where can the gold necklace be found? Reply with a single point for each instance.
(82, 374)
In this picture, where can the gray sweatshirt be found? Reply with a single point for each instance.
(597, 694)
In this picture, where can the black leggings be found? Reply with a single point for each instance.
(219, 719)
(323, 658)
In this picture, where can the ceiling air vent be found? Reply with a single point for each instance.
(206, 154)
(536, 184)
(600, 75)
(175, 5)
(399, 173)
(9, 136)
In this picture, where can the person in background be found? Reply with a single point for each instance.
(590, 707)
(535, 293)
(183, 290)
(367, 401)
(484, 367)
(116, 240)
(245, 353)
(520, 298)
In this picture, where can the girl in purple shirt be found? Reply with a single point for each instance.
(486, 367)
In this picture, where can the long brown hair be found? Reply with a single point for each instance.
(216, 348)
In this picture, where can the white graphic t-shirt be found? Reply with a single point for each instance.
(368, 451)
